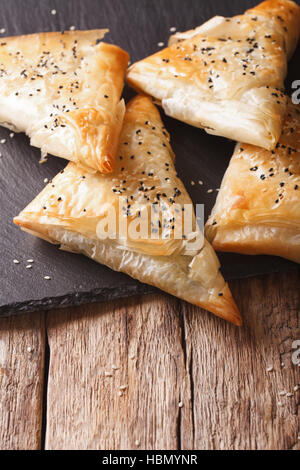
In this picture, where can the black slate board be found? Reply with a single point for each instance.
(137, 26)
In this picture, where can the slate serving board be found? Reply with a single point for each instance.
(137, 26)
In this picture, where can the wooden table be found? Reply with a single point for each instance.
(61, 373)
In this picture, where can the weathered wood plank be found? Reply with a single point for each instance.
(165, 351)
(22, 344)
(142, 337)
(236, 401)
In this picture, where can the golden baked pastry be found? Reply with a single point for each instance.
(73, 211)
(227, 76)
(63, 90)
(258, 206)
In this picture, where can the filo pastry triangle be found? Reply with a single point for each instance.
(70, 210)
(63, 90)
(258, 206)
(227, 76)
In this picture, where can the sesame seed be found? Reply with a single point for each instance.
(2, 141)
(15, 261)
(107, 374)
(279, 403)
(180, 404)
(137, 443)
(120, 394)
(2, 30)
(72, 28)
(193, 183)
(114, 367)
(289, 395)
(53, 12)
(270, 369)
(200, 182)
(11, 135)
(173, 29)
(46, 180)
(210, 191)
(30, 261)
(160, 44)
(123, 387)
(29, 266)
(47, 278)
(282, 394)
(296, 388)
(29, 349)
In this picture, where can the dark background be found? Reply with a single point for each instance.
(137, 26)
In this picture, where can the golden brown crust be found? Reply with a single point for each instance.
(72, 84)
(226, 76)
(258, 206)
(69, 210)
(286, 16)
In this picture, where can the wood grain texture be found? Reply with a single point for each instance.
(22, 342)
(142, 338)
(235, 399)
(168, 351)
